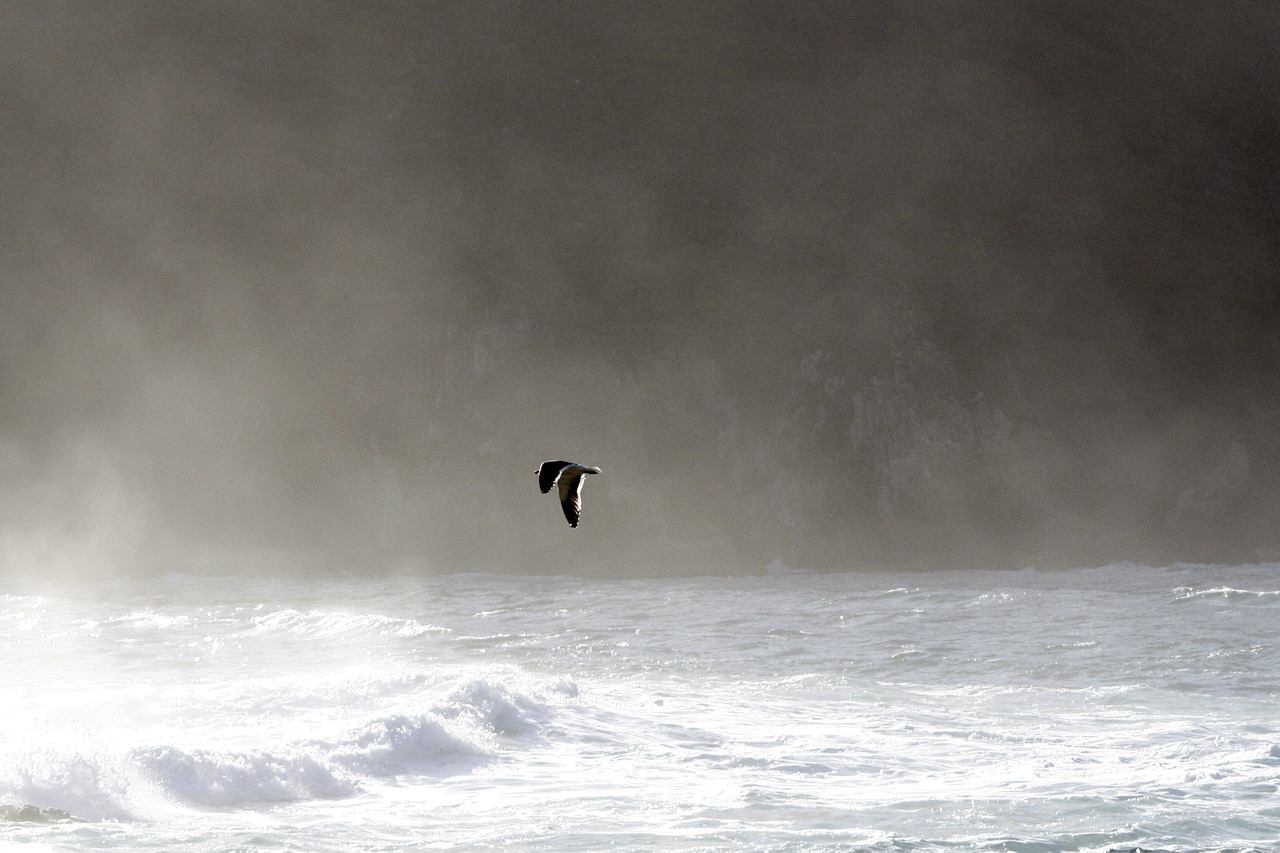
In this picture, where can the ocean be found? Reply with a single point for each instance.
(1113, 708)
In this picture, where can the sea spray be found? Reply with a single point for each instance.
(1118, 707)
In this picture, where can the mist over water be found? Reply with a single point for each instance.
(295, 297)
(850, 285)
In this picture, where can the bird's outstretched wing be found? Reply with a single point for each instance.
(571, 498)
(549, 472)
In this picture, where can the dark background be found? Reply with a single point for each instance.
(845, 284)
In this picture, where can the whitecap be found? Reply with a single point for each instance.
(318, 623)
(223, 779)
(1185, 593)
(408, 743)
(495, 708)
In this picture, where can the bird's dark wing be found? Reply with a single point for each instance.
(548, 472)
(571, 498)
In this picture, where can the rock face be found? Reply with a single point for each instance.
(34, 814)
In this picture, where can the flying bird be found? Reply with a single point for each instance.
(568, 476)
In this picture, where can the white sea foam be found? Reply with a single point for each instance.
(1120, 707)
(1229, 593)
(460, 730)
(221, 778)
(335, 623)
(418, 743)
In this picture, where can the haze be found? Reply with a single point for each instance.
(848, 285)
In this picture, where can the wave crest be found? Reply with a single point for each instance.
(1186, 593)
(319, 623)
(402, 743)
(208, 778)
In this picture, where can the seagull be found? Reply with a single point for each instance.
(569, 477)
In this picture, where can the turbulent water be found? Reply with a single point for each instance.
(1111, 708)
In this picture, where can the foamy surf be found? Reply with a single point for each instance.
(1096, 709)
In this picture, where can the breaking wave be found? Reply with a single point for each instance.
(1227, 593)
(468, 725)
